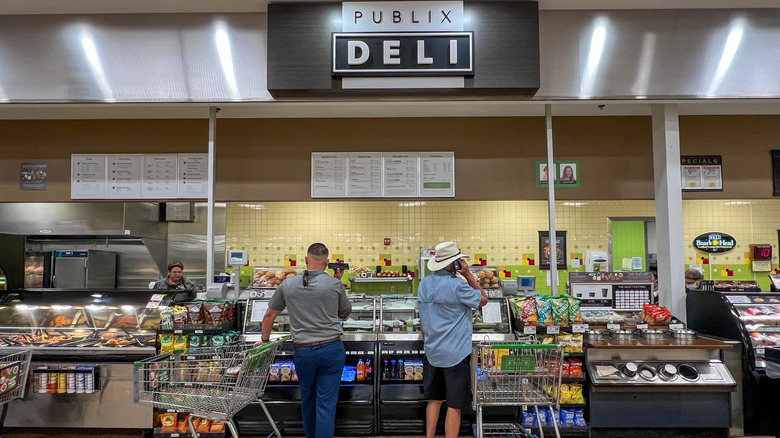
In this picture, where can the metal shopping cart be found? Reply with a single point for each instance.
(14, 369)
(515, 375)
(212, 384)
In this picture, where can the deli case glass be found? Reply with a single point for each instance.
(753, 319)
(84, 344)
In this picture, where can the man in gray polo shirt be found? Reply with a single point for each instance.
(315, 303)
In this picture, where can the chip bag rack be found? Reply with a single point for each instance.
(212, 385)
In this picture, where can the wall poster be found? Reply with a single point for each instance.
(544, 249)
(701, 172)
(565, 174)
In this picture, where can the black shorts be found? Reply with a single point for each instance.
(452, 384)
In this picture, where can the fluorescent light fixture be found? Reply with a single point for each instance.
(226, 58)
(96, 296)
(412, 204)
(65, 307)
(729, 51)
(95, 308)
(25, 307)
(45, 231)
(573, 204)
(93, 59)
(597, 41)
(128, 308)
(639, 89)
(739, 203)
(252, 206)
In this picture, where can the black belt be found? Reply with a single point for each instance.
(311, 344)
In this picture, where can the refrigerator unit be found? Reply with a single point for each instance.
(71, 269)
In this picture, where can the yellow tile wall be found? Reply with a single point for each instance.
(501, 229)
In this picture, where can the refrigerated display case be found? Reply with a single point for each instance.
(355, 409)
(753, 319)
(86, 334)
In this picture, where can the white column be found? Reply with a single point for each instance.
(551, 175)
(210, 224)
(668, 208)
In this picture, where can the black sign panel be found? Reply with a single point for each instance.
(403, 54)
(714, 243)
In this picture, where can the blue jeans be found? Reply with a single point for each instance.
(319, 371)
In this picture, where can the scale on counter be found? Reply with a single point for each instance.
(522, 285)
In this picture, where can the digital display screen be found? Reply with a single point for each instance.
(526, 282)
(236, 255)
(762, 252)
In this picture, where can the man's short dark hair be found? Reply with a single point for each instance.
(694, 274)
(175, 264)
(318, 250)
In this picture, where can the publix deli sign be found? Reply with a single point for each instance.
(714, 243)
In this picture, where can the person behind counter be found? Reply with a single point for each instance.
(693, 279)
(175, 278)
(315, 302)
(445, 302)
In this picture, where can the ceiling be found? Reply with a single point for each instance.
(227, 6)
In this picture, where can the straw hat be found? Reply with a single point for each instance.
(445, 253)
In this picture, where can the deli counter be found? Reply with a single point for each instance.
(84, 343)
(382, 386)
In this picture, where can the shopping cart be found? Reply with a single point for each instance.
(515, 375)
(14, 369)
(212, 384)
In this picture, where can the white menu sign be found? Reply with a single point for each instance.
(437, 174)
(365, 174)
(87, 176)
(160, 179)
(193, 175)
(328, 174)
(124, 176)
(400, 174)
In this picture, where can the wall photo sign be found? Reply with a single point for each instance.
(701, 172)
(412, 48)
(565, 173)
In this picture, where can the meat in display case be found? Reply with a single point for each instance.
(77, 336)
(355, 409)
(753, 319)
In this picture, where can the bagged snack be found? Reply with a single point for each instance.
(560, 311)
(575, 315)
(575, 368)
(579, 418)
(180, 342)
(544, 311)
(212, 312)
(179, 315)
(217, 427)
(181, 425)
(529, 419)
(166, 318)
(194, 312)
(565, 394)
(575, 395)
(571, 343)
(203, 425)
(567, 418)
(168, 421)
(653, 314)
(565, 369)
(166, 343)
(529, 312)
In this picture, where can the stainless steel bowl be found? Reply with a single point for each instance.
(654, 334)
(623, 335)
(597, 334)
(684, 334)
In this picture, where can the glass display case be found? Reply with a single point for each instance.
(57, 322)
(265, 279)
(493, 322)
(361, 323)
(399, 318)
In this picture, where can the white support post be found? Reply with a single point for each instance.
(551, 175)
(668, 208)
(210, 224)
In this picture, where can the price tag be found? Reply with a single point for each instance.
(641, 326)
(579, 328)
(407, 351)
(613, 326)
(190, 357)
(178, 332)
(553, 329)
(174, 435)
(198, 332)
(676, 327)
(760, 351)
(529, 330)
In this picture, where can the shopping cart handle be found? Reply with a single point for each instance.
(526, 346)
(269, 345)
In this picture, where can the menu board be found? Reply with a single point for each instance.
(437, 174)
(160, 176)
(382, 174)
(193, 175)
(328, 175)
(701, 172)
(365, 174)
(136, 176)
(88, 176)
(124, 176)
(401, 174)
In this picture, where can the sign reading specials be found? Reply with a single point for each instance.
(403, 48)
(403, 39)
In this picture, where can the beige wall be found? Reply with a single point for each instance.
(269, 159)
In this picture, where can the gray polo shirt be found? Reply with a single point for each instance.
(313, 309)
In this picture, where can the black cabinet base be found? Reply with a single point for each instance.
(658, 433)
(695, 410)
